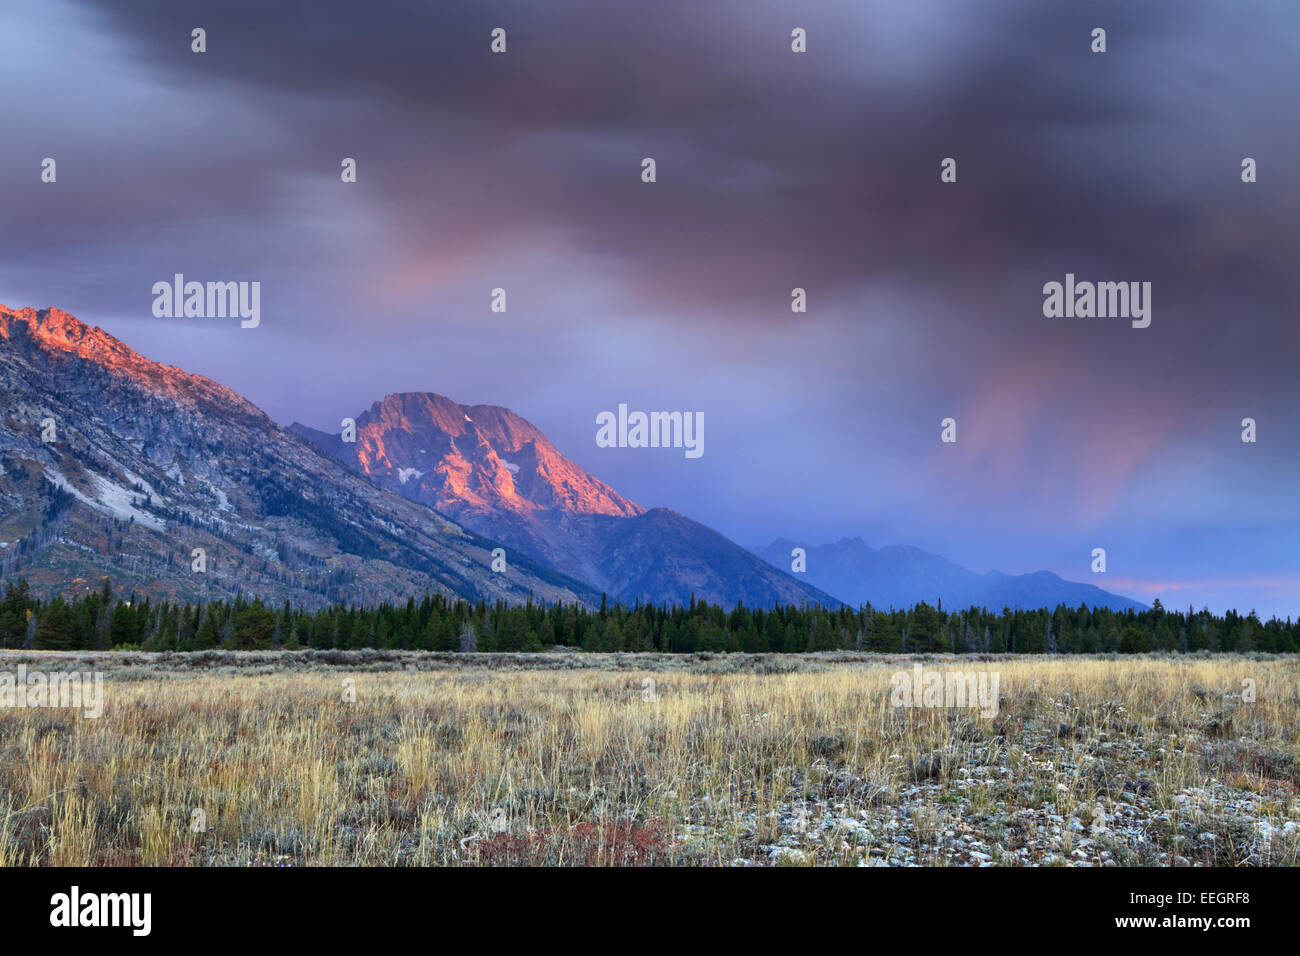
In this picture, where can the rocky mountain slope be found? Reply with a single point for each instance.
(115, 465)
(491, 470)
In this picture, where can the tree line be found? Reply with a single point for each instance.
(104, 620)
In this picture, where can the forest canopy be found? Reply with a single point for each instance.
(104, 620)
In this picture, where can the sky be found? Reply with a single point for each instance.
(775, 170)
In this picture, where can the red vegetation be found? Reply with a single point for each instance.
(587, 844)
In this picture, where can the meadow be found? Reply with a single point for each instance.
(393, 758)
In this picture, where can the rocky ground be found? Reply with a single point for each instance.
(345, 758)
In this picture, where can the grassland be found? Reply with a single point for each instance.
(395, 758)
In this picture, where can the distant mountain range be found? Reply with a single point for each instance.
(115, 465)
(901, 576)
(494, 472)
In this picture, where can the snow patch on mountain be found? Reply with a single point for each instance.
(109, 497)
(223, 502)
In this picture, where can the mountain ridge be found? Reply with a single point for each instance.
(505, 479)
(902, 575)
(112, 464)
(147, 461)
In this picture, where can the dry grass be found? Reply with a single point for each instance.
(801, 760)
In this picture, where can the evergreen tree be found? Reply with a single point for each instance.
(55, 631)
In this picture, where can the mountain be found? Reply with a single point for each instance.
(901, 576)
(115, 465)
(496, 473)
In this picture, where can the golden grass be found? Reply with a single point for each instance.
(472, 764)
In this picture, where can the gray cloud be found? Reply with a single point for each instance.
(775, 170)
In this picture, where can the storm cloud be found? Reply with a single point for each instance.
(775, 170)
